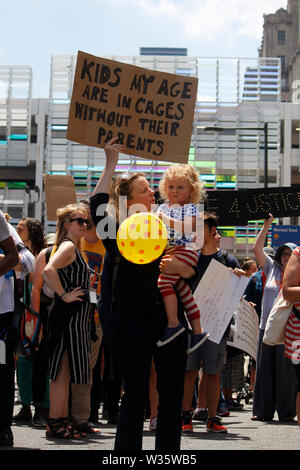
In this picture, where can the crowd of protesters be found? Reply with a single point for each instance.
(98, 327)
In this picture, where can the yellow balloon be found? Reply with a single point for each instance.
(142, 238)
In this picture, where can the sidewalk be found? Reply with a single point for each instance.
(243, 434)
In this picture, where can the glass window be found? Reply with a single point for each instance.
(282, 58)
(281, 37)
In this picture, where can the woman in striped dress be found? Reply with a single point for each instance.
(68, 341)
(291, 292)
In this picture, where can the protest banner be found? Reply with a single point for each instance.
(59, 191)
(244, 331)
(217, 296)
(238, 207)
(150, 112)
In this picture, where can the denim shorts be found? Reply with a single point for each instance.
(210, 356)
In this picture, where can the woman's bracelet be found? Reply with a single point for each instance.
(62, 295)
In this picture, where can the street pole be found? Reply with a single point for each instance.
(266, 155)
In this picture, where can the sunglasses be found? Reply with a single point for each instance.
(80, 220)
(126, 175)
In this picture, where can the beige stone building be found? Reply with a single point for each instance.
(281, 38)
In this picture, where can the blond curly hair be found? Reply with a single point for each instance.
(184, 172)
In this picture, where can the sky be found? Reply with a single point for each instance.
(32, 31)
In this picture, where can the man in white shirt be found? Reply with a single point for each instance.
(7, 364)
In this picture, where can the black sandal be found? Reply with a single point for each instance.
(74, 431)
(59, 429)
(87, 428)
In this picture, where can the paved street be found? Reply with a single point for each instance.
(243, 434)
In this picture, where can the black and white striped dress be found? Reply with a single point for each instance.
(70, 324)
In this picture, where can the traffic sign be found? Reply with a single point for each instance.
(282, 234)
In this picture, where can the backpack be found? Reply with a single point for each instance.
(15, 328)
(224, 258)
(31, 330)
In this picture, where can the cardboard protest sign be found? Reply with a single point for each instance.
(244, 331)
(217, 296)
(59, 191)
(150, 112)
(238, 207)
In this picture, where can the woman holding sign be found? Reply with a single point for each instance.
(138, 316)
(275, 386)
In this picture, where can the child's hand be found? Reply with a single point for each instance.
(165, 264)
(171, 265)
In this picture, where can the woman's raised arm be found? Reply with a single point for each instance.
(111, 150)
(259, 244)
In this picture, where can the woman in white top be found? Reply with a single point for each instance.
(275, 386)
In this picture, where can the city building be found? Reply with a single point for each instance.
(17, 138)
(281, 39)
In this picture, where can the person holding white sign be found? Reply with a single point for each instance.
(211, 354)
(232, 374)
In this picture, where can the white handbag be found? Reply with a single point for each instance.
(277, 320)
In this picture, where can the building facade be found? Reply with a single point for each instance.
(281, 38)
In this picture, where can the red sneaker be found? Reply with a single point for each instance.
(187, 427)
(187, 424)
(213, 425)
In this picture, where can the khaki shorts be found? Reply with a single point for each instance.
(210, 356)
